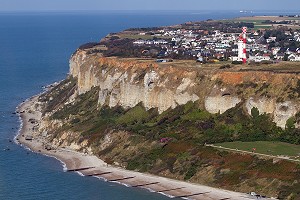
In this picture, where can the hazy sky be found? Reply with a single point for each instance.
(29, 5)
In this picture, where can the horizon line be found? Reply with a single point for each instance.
(149, 10)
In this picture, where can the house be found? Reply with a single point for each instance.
(287, 33)
(149, 42)
(288, 51)
(271, 39)
(294, 57)
(256, 33)
(200, 59)
(275, 50)
(259, 59)
(176, 39)
(139, 42)
(235, 58)
(157, 42)
(279, 56)
(297, 38)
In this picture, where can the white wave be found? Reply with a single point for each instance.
(150, 190)
(50, 156)
(28, 149)
(167, 195)
(124, 184)
(101, 178)
(19, 130)
(65, 169)
(79, 173)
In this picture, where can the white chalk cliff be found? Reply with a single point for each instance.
(127, 82)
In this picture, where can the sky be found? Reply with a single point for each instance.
(70, 5)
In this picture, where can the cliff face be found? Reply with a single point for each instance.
(86, 113)
(127, 82)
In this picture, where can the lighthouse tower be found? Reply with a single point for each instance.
(242, 52)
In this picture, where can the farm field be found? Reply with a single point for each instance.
(264, 147)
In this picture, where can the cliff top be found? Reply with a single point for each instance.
(280, 67)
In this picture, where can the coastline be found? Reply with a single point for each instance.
(71, 160)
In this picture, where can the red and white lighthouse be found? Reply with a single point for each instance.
(242, 52)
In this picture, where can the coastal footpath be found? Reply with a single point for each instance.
(118, 117)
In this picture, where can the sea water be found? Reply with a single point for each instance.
(34, 51)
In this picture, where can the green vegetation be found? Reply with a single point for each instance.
(135, 115)
(59, 94)
(85, 103)
(184, 131)
(268, 22)
(186, 122)
(264, 147)
(142, 37)
(191, 172)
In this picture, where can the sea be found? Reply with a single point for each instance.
(35, 48)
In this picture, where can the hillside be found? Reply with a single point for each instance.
(158, 117)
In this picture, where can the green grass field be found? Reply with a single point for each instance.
(258, 21)
(264, 147)
(143, 37)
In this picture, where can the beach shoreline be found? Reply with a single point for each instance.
(90, 165)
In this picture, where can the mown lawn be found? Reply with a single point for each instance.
(264, 147)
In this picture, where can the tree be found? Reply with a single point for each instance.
(290, 123)
(285, 57)
(254, 112)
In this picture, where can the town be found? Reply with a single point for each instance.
(210, 41)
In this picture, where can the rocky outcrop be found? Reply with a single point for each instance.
(128, 82)
(282, 111)
(220, 100)
(264, 105)
(220, 104)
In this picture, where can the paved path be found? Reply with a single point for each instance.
(248, 152)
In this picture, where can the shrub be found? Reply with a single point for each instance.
(237, 62)
(191, 172)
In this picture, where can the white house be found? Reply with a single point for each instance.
(294, 57)
(235, 58)
(139, 42)
(271, 39)
(275, 50)
(259, 58)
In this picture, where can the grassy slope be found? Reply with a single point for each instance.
(184, 156)
(264, 147)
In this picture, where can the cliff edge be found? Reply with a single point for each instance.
(158, 117)
(128, 82)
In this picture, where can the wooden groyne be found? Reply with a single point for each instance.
(171, 189)
(79, 169)
(120, 179)
(141, 185)
(191, 195)
(99, 174)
